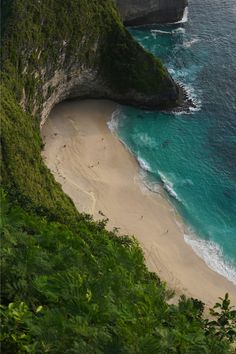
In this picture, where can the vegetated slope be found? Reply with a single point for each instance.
(68, 285)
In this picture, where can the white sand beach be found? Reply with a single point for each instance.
(103, 178)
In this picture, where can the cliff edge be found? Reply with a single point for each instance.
(139, 12)
(85, 51)
(52, 51)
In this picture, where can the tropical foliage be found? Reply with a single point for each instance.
(63, 294)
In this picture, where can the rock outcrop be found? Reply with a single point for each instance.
(99, 60)
(142, 12)
(56, 50)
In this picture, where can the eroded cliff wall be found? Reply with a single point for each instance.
(55, 50)
(141, 12)
(84, 52)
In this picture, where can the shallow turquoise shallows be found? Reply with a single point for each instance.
(194, 155)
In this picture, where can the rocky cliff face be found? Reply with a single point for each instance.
(55, 50)
(141, 12)
(88, 53)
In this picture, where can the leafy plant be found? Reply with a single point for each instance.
(224, 324)
(15, 336)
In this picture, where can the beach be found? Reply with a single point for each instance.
(103, 179)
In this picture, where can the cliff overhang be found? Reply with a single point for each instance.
(84, 52)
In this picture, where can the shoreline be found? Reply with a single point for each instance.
(102, 178)
(196, 243)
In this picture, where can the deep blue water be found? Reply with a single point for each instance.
(194, 155)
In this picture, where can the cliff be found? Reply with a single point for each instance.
(139, 12)
(85, 51)
(88, 53)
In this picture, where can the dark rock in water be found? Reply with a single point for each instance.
(165, 144)
(139, 12)
(186, 102)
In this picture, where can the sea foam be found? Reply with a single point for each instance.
(192, 95)
(185, 16)
(113, 123)
(168, 186)
(144, 164)
(147, 184)
(157, 32)
(180, 77)
(180, 30)
(189, 44)
(212, 255)
(144, 140)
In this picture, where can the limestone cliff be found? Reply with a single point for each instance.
(141, 12)
(80, 49)
(54, 50)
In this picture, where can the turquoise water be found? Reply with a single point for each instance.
(193, 156)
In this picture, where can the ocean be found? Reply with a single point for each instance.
(192, 156)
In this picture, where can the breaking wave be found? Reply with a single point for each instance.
(213, 256)
(113, 123)
(185, 16)
(144, 164)
(168, 186)
(193, 96)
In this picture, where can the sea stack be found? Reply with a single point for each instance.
(139, 12)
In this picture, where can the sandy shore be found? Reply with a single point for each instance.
(101, 176)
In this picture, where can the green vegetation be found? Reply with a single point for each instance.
(69, 285)
(122, 66)
(61, 293)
